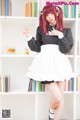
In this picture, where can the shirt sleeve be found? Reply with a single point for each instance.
(35, 44)
(65, 43)
(61, 35)
(29, 38)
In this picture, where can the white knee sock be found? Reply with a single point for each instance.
(51, 113)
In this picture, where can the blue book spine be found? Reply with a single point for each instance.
(6, 7)
(74, 11)
(72, 84)
(34, 85)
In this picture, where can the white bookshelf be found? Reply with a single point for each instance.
(77, 94)
(24, 104)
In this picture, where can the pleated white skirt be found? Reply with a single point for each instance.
(50, 64)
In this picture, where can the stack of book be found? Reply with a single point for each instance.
(38, 86)
(31, 9)
(69, 86)
(5, 8)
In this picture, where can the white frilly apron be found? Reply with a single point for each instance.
(50, 64)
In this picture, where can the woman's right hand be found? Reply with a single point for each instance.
(26, 32)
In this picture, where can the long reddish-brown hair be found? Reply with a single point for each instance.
(58, 13)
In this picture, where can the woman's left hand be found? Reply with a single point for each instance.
(55, 32)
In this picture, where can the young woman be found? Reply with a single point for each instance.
(51, 66)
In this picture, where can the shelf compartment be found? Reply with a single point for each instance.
(23, 106)
(15, 36)
(16, 69)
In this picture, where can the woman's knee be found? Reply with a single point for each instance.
(55, 93)
(57, 101)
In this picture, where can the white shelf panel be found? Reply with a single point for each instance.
(25, 92)
(34, 18)
(20, 18)
(65, 92)
(18, 92)
(69, 19)
(70, 56)
(68, 92)
(79, 19)
(78, 56)
(78, 92)
(15, 56)
(2, 17)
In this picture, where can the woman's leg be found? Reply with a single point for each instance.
(59, 109)
(61, 86)
(56, 98)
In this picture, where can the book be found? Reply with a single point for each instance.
(72, 85)
(5, 83)
(10, 7)
(74, 11)
(3, 8)
(0, 83)
(69, 85)
(0, 7)
(34, 85)
(28, 9)
(70, 11)
(35, 9)
(65, 11)
(66, 86)
(30, 85)
(6, 7)
(39, 86)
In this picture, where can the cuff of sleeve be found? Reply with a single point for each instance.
(61, 35)
(29, 38)
(49, 33)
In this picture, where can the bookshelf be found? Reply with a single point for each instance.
(77, 104)
(24, 104)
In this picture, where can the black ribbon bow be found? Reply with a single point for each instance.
(50, 27)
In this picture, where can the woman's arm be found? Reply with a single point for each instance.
(66, 42)
(35, 44)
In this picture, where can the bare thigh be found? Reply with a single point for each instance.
(55, 91)
(61, 85)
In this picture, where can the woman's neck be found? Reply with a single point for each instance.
(53, 24)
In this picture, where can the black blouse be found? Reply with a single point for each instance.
(43, 39)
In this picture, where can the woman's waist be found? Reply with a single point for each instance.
(49, 47)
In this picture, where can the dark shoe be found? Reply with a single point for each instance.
(51, 118)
